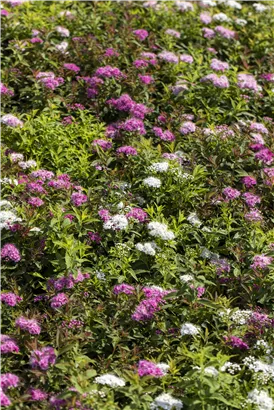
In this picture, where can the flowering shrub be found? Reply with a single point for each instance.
(137, 205)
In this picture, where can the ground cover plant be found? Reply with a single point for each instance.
(137, 213)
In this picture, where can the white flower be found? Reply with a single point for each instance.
(189, 329)
(167, 402)
(62, 47)
(160, 230)
(110, 380)
(35, 229)
(100, 275)
(240, 317)
(261, 344)
(5, 204)
(210, 370)
(208, 3)
(164, 367)
(120, 205)
(187, 278)
(194, 220)
(64, 32)
(234, 4)
(184, 5)
(15, 157)
(116, 223)
(148, 248)
(259, 7)
(261, 399)
(256, 366)
(221, 17)
(152, 182)
(241, 22)
(230, 367)
(27, 164)
(8, 218)
(9, 181)
(159, 167)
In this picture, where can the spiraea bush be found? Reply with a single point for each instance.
(137, 214)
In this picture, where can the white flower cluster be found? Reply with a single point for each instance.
(116, 223)
(260, 7)
(211, 371)
(261, 344)
(15, 157)
(234, 4)
(100, 275)
(152, 182)
(241, 22)
(209, 3)
(5, 204)
(159, 167)
(160, 230)
(164, 367)
(184, 5)
(194, 220)
(256, 365)
(189, 329)
(149, 248)
(27, 164)
(8, 218)
(261, 399)
(110, 380)
(240, 317)
(167, 402)
(9, 181)
(62, 47)
(64, 32)
(187, 278)
(221, 17)
(230, 367)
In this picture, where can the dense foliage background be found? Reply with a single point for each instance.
(137, 205)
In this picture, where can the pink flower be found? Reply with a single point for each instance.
(9, 380)
(36, 202)
(141, 34)
(10, 253)
(249, 181)
(225, 32)
(4, 400)
(205, 18)
(163, 135)
(42, 359)
(127, 150)
(77, 198)
(37, 394)
(265, 155)
(146, 368)
(146, 310)
(10, 299)
(138, 214)
(8, 345)
(218, 65)
(104, 215)
(72, 67)
(146, 79)
(251, 199)
(59, 300)
(235, 341)
(231, 193)
(187, 128)
(30, 325)
(105, 145)
(123, 288)
(261, 262)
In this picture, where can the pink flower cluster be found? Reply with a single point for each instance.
(8, 345)
(109, 72)
(187, 127)
(104, 144)
(141, 34)
(146, 368)
(220, 82)
(10, 253)
(30, 325)
(235, 341)
(42, 359)
(123, 288)
(127, 150)
(138, 214)
(163, 135)
(59, 300)
(10, 299)
(72, 67)
(261, 262)
(78, 199)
